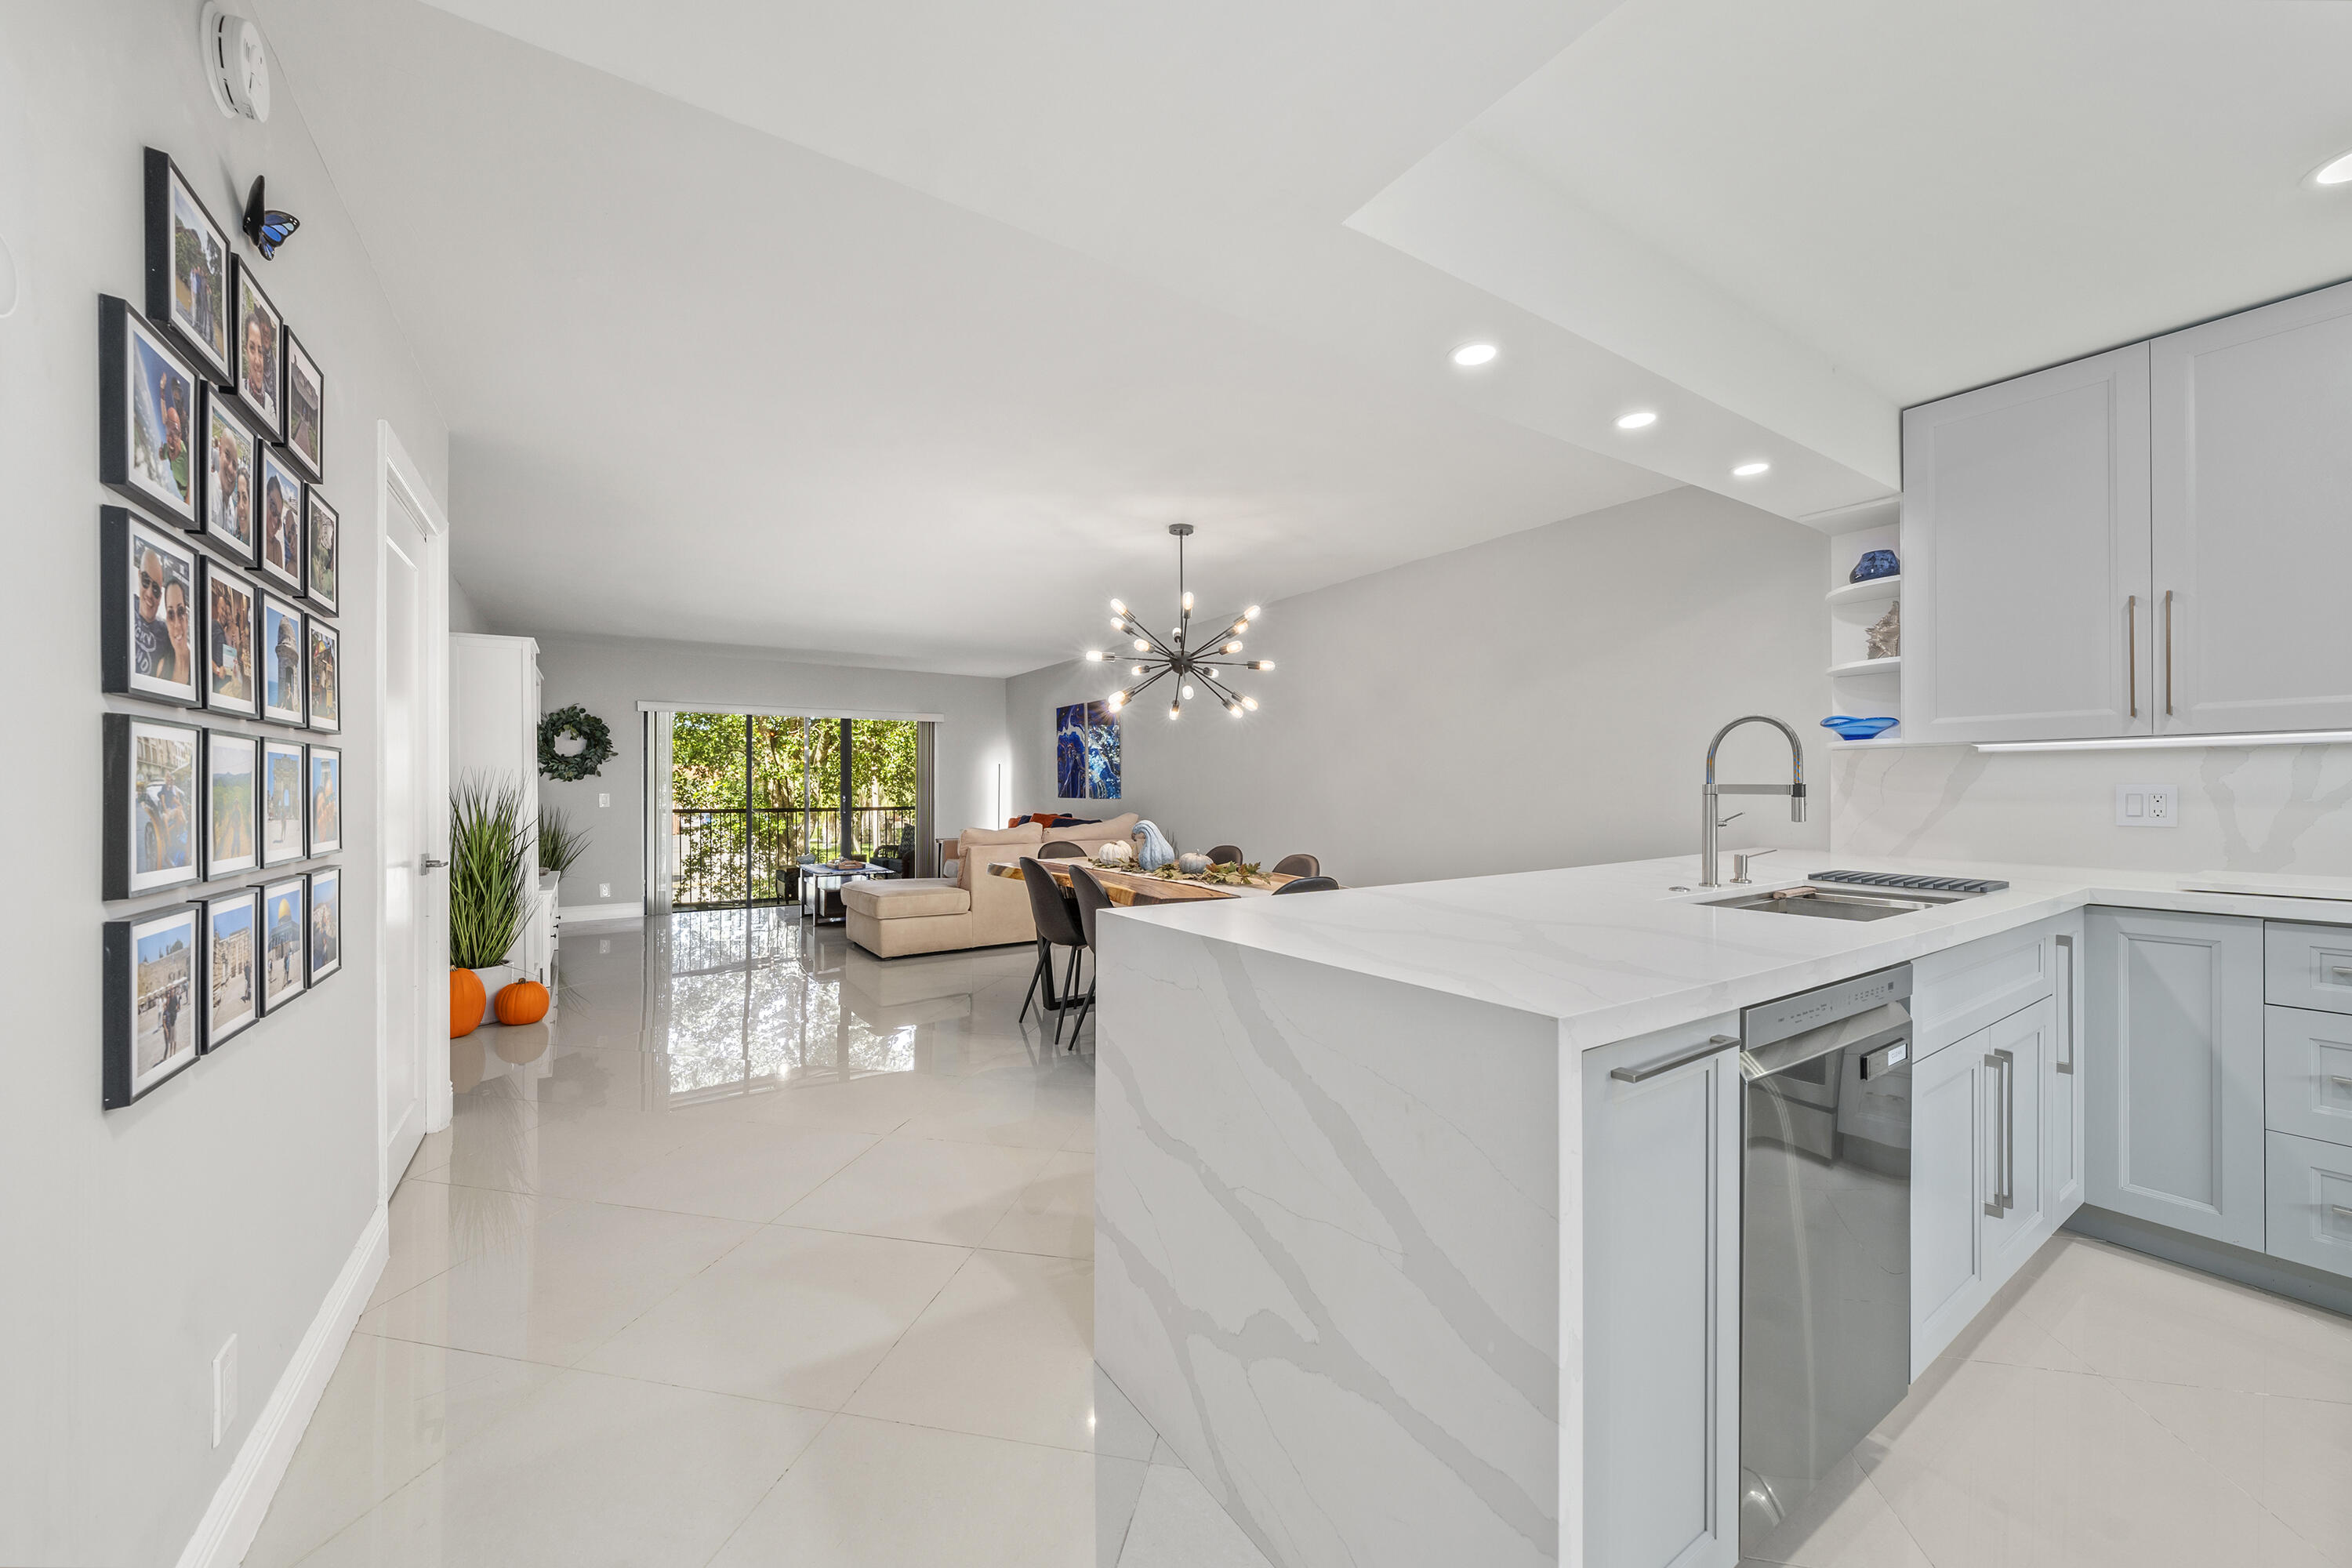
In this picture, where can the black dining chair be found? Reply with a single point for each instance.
(1298, 866)
(1092, 900)
(1060, 848)
(1057, 926)
(1306, 885)
(1226, 855)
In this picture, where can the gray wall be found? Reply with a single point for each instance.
(465, 616)
(1540, 700)
(610, 676)
(133, 1242)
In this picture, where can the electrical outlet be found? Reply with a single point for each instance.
(604, 800)
(603, 945)
(604, 890)
(224, 1389)
(2146, 805)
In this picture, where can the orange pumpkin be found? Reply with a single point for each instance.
(524, 1002)
(466, 1001)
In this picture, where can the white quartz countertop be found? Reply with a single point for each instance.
(1612, 951)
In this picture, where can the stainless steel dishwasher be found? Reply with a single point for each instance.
(1825, 1234)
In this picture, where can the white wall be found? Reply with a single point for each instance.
(465, 616)
(133, 1242)
(1541, 700)
(2242, 808)
(610, 676)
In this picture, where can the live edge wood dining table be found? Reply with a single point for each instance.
(1123, 886)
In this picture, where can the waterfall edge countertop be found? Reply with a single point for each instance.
(1612, 951)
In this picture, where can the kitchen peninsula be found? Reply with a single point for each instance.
(1396, 1260)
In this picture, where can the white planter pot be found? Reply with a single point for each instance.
(495, 979)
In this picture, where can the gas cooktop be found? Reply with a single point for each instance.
(1923, 884)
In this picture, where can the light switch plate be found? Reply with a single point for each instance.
(603, 799)
(2148, 805)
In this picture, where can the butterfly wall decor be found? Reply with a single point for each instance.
(266, 229)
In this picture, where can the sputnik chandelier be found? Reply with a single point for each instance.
(1210, 662)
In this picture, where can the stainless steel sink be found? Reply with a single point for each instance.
(1838, 903)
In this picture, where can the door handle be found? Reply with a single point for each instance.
(2066, 1008)
(2131, 649)
(427, 863)
(2167, 653)
(2005, 1196)
(1642, 1074)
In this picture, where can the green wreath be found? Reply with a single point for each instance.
(596, 744)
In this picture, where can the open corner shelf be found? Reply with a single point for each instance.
(1868, 667)
(1864, 593)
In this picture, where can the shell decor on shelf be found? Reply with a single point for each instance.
(1885, 641)
(1191, 862)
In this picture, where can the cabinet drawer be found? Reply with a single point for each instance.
(2309, 1191)
(2308, 966)
(2307, 1073)
(1962, 989)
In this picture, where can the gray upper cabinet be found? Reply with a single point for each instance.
(2173, 1071)
(2025, 557)
(2252, 497)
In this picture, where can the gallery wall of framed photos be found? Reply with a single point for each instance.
(219, 579)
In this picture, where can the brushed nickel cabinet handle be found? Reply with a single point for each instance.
(2341, 972)
(2167, 653)
(2066, 1008)
(2341, 1210)
(2338, 1077)
(1642, 1074)
(2131, 648)
(2009, 1129)
(1998, 1203)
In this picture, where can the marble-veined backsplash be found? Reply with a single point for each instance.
(2245, 808)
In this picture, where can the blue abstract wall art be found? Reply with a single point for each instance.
(1086, 751)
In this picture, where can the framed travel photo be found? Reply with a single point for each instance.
(231, 812)
(323, 657)
(232, 467)
(280, 521)
(187, 267)
(282, 838)
(231, 971)
(151, 1029)
(148, 405)
(306, 408)
(256, 354)
(282, 661)
(285, 961)
(147, 611)
(323, 530)
(232, 682)
(325, 800)
(326, 924)
(150, 805)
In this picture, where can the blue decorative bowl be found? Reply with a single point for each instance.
(1849, 729)
(1875, 563)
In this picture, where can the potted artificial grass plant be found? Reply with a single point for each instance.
(491, 893)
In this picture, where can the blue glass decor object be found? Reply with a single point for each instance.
(1874, 563)
(1851, 729)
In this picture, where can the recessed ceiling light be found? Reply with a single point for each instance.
(1750, 470)
(1641, 418)
(1470, 355)
(2336, 172)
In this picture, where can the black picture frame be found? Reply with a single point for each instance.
(278, 947)
(322, 800)
(229, 963)
(323, 924)
(280, 794)
(151, 812)
(155, 965)
(322, 543)
(230, 511)
(202, 325)
(133, 643)
(277, 658)
(229, 631)
(144, 388)
(323, 672)
(278, 521)
(257, 352)
(229, 822)
(306, 409)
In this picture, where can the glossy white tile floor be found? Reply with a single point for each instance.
(767, 1252)
(762, 1251)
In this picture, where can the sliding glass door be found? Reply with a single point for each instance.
(752, 796)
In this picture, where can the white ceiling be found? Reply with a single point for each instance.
(899, 333)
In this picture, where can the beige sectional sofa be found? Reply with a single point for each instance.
(972, 908)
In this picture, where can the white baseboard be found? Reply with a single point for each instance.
(598, 914)
(225, 1533)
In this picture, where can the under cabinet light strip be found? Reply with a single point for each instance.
(2160, 742)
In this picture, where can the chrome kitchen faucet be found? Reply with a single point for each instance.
(1794, 789)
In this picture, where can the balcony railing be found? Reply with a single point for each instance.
(730, 857)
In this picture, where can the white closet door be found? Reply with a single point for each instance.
(2252, 452)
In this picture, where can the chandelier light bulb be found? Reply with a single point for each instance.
(1188, 604)
(1186, 693)
(1120, 607)
(1119, 699)
(1136, 669)
(1250, 614)
(1094, 656)
(1142, 646)
(1173, 710)
(1250, 703)
(1118, 624)
(1233, 647)
(1263, 664)
(1234, 709)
